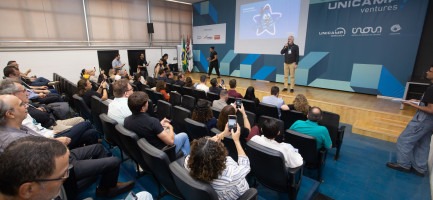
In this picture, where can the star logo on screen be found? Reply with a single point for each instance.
(266, 20)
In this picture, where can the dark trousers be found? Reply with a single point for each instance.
(217, 69)
(40, 81)
(90, 161)
(80, 134)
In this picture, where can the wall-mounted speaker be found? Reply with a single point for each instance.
(150, 28)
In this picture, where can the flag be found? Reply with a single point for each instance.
(190, 56)
(184, 60)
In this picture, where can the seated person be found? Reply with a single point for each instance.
(157, 133)
(162, 75)
(242, 119)
(169, 78)
(215, 88)
(273, 99)
(249, 95)
(118, 108)
(209, 162)
(33, 81)
(158, 67)
(270, 131)
(203, 113)
(188, 82)
(88, 161)
(180, 79)
(232, 91)
(161, 87)
(312, 128)
(300, 103)
(138, 82)
(202, 85)
(85, 91)
(222, 102)
(150, 82)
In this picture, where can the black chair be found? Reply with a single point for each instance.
(134, 87)
(212, 96)
(268, 110)
(291, 116)
(249, 105)
(110, 93)
(104, 106)
(187, 91)
(195, 129)
(231, 100)
(158, 163)
(228, 143)
(175, 98)
(188, 102)
(163, 110)
(158, 96)
(216, 112)
(280, 123)
(192, 189)
(178, 119)
(199, 94)
(168, 87)
(150, 93)
(307, 147)
(96, 111)
(110, 134)
(176, 88)
(151, 108)
(269, 168)
(332, 122)
(251, 118)
(82, 107)
(129, 141)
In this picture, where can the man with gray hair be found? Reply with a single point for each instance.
(291, 59)
(222, 102)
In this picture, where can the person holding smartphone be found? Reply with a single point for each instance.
(241, 116)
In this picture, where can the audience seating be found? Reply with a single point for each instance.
(281, 137)
(307, 147)
(251, 118)
(291, 116)
(332, 122)
(268, 110)
(96, 111)
(212, 96)
(151, 108)
(231, 100)
(158, 163)
(192, 189)
(176, 88)
(163, 110)
(199, 94)
(188, 102)
(110, 93)
(178, 120)
(168, 87)
(175, 98)
(129, 142)
(195, 129)
(157, 96)
(150, 93)
(229, 144)
(82, 107)
(249, 105)
(187, 91)
(104, 107)
(216, 112)
(268, 166)
(110, 135)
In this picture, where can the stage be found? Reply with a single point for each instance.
(371, 116)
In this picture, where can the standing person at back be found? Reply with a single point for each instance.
(213, 62)
(312, 128)
(273, 99)
(116, 63)
(291, 59)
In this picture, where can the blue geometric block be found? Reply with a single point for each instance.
(311, 67)
(365, 78)
(230, 59)
(264, 72)
(389, 85)
(207, 10)
(204, 8)
(200, 61)
(251, 61)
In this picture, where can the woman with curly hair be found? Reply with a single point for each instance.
(208, 162)
(84, 88)
(300, 103)
(203, 113)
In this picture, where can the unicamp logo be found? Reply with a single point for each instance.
(338, 32)
(367, 6)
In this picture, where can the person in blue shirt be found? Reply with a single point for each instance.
(312, 128)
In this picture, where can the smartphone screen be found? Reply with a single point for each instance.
(222, 81)
(238, 103)
(232, 122)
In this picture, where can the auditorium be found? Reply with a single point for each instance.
(216, 99)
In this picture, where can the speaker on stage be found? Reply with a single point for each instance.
(150, 28)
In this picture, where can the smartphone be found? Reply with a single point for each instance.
(232, 122)
(222, 81)
(238, 103)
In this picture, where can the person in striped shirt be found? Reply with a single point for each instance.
(208, 162)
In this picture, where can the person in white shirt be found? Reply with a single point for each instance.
(270, 131)
(118, 109)
(202, 85)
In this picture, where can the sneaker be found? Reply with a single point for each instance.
(53, 83)
(284, 89)
(418, 173)
(116, 190)
(291, 90)
(397, 167)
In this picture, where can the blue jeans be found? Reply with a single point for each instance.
(413, 144)
(181, 141)
(40, 81)
(81, 134)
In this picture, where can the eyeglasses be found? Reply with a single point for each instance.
(64, 177)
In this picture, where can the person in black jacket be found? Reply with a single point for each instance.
(291, 59)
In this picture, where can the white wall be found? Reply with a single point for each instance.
(68, 63)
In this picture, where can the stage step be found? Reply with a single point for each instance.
(380, 128)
